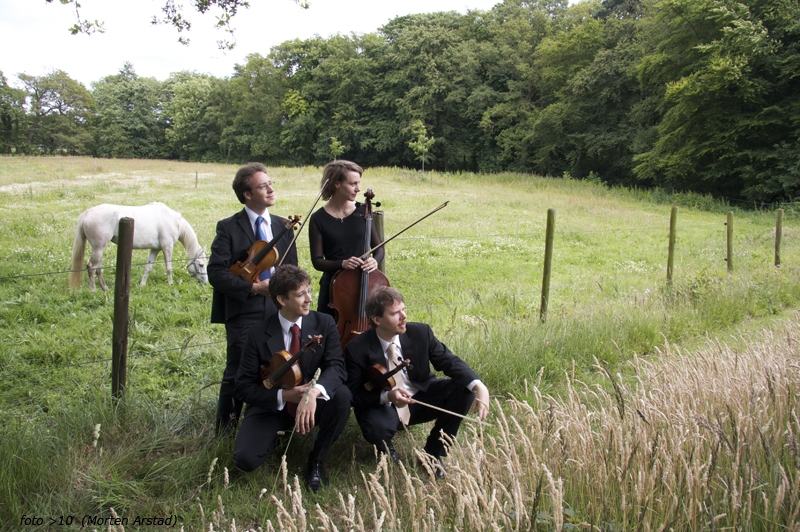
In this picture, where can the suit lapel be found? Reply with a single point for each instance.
(278, 225)
(376, 354)
(244, 222)
(308, 330)
(407, 345)
(274, 336)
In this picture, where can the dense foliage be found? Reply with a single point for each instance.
(690, 95)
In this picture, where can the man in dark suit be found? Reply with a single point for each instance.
(391, 340)
(269, 411)
(240, 303)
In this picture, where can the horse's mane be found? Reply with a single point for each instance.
(188, 238)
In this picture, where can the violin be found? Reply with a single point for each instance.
(350, 288)
(378, 376)
(283, 371)
(262, 255)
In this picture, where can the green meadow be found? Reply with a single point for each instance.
(615, 328)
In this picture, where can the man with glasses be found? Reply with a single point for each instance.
(237, 302)
(273, 409)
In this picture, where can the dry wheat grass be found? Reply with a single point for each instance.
(705, 440)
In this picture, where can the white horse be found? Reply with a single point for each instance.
(155, 227)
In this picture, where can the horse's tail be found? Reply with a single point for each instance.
(78, 249)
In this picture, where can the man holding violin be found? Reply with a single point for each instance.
(416, 395)
(238, 302)
(277, 386)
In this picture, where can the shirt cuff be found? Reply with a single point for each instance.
(472, 385)
(322, 393)
(384, 397)
(281, 402)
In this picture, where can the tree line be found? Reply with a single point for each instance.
(690, 95)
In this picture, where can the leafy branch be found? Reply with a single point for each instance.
(82, 26)
(173, 15)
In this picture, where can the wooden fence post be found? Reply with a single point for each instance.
(379, 226)
(778, 236)
(729, 255)
(122, 290)
(673, 222)
(548, 263)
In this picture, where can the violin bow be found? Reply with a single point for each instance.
(304, 221)
(366, 255)
(478, 421)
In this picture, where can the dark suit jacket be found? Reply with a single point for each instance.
(419, 345)
(262, 342)
(232, 294)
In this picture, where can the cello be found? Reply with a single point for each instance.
(350, 288)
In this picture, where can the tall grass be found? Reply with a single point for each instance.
(700, 440)
(474, 273)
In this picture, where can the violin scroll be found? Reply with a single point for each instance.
(292, 221)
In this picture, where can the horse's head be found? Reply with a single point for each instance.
(197, 267)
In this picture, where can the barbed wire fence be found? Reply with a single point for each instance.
(529, 234)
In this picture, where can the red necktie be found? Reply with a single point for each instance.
(294, 347)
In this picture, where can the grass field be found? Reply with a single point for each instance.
(474, 272)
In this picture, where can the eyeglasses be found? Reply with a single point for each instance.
(263, 186)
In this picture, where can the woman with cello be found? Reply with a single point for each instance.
(338, 230)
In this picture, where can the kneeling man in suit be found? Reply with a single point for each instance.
(270, 411)
(388, 342)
